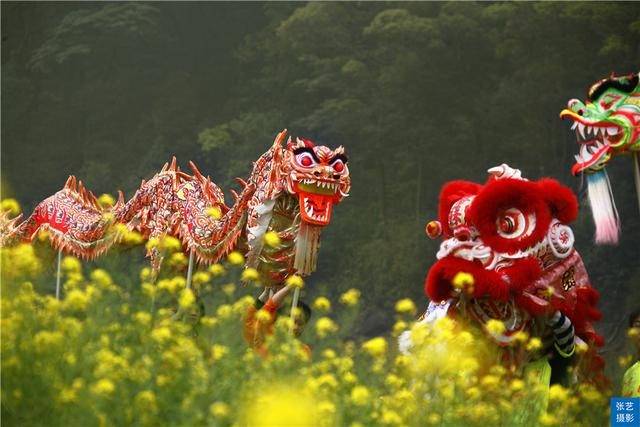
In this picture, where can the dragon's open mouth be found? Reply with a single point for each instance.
(316, 198)
(596, 139)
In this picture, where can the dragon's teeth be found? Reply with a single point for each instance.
(581, 129)
(574, 125)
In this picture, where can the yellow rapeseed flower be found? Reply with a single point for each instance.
(294, 281)
(490, 381)
(405, 306)
(521, 337)
(434, 418)
(218, 351)
(161, 334)
(547, 419)
(178, 259)
(76, 300)
(208, 321)
(214, 212)
(101, 278)
(11, 206)
(145, 274)
(67, 395)
(325, 326)
(625, 361)
(322, 304)
(152, 243)
(272, 239)
(106, 200)
(71, 264)
(170, 244)
(326, 408)
(146, 401)
(250, 275)
(187, 298)
(360, 395)
(376, 347)
(224, 311)
(329, 353)
(219, 410)
(229, 289)
(517, 385)
(473, 392)
(131, 237)
(148, 289)
(216, 269)
(263, 316)
(558, 393)
(390, 417)
(350, 298)
(45, 340)
(399, 327)
(327, 380)
(495, 327)
(235, 258)
(287, 404)
(463, 281)
(143, 318)
(103, 387)
(201, 277)
(349, 378)
(534, 344)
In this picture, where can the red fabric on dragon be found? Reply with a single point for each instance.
(291, 190)
(512, 236)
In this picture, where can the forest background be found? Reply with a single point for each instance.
(418, 93)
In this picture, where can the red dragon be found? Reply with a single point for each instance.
(291, 190)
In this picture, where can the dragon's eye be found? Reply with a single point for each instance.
(338, 166)
(511, 223)
(305, 159)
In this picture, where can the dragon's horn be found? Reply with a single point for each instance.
(120, 198)
(94, 200)
(235, 195)
(80, 188)
(69, 181)
(242, 182)
(164, 167)
(172, 167)
(277, 142)
(195, 170)
(182, 175)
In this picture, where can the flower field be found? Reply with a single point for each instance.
(161, 354)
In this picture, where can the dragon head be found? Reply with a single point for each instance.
(608, 124)
(318, 176)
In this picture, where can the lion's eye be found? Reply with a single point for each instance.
(511, 223)
(507, 225)
(338, 166)
(305, 159)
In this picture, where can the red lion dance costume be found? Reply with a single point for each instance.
(512, 236)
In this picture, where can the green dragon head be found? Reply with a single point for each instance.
(608, 124)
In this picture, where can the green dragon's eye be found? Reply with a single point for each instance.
(576, 106)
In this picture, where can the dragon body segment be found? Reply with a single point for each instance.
(291, 191)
